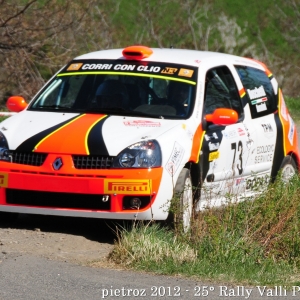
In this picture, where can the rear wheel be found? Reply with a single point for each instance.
(288, 168)
(182, 203)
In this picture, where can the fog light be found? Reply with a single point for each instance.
(105, 198)
(135, 203)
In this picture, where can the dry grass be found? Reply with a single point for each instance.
(151, 241)
(255, 242)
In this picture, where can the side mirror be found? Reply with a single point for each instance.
(16, 103)
(222, 116)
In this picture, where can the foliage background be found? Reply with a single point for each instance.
(38, 37)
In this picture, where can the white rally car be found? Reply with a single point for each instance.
(115, 133)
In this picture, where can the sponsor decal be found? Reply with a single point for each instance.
(274, 85)
(186, 72)
(127, 187)
(3, 180)
(263, 158)
(283, 109)
(242, 92)
(241, 131)
(264, 99)
(213, 155)
(239, 181)
(74, 67)
(122, 67)
(97, 66)
(291, 130)
(264, 154)
(254, 183)
(175, 159)
(256, 93)
(168, 70)
(261, 107)
(230, 134)
(268, 130)
(116, 66)
(267, 127)
(142, 123)
(213, 146)
(149, 69)
(265, 149)
(209, 137)
(140, 68)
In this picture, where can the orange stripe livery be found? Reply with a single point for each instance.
(63, 138)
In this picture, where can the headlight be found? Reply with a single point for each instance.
(4, 153)
(144, 154)
(3, 141)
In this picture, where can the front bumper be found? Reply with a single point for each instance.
(98, 193)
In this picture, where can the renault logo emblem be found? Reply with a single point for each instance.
(57, 164)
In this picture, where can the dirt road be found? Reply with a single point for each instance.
(76, 240)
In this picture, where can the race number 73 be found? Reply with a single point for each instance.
(238, 147)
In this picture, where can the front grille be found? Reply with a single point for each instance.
(27, 158)
(92, 161)
(56, 200)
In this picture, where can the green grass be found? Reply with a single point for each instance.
(253, 242)
(293, 105)
(3, 118)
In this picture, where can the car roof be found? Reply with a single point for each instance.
(171, 55)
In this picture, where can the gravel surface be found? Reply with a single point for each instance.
(77, 240)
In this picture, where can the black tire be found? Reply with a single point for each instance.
(182, 203)
(288, 168)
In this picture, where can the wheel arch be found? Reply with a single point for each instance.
(196, 176)
(296, 158)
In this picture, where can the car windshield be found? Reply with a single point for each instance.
(122, 88)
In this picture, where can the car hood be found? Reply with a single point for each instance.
(82, 134)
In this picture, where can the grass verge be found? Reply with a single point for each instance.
(253, 242)
(293, 105)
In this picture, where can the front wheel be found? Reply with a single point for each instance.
(288, 168)
(182, 206)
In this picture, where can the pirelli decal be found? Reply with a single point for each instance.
(127, 187)
(3, 180)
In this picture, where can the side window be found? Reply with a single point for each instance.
(259, 90)
(221, 91)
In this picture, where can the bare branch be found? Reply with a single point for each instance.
(17, 14)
